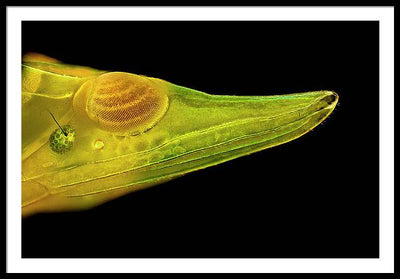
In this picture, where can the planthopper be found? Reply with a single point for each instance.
(89, 136)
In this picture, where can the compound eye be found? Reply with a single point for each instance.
(124, 103)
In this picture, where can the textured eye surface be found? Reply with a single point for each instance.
(126, 103)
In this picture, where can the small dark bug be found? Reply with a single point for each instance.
(62, 140)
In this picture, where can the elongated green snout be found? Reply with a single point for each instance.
(114, 154)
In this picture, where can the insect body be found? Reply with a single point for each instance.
(62, 139)
(124, 132)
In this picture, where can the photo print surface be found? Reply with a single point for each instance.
(316, 196)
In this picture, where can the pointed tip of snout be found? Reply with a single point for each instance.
(325, 103)
(331, 98)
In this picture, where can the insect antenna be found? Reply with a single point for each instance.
(65, 134)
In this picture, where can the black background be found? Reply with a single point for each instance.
(317, 196)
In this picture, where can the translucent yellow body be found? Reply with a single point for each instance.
(132, 131)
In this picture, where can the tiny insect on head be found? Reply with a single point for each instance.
(62, 139)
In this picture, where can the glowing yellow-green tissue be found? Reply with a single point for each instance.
(89, 136)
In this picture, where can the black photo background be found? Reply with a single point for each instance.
(314, 197)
